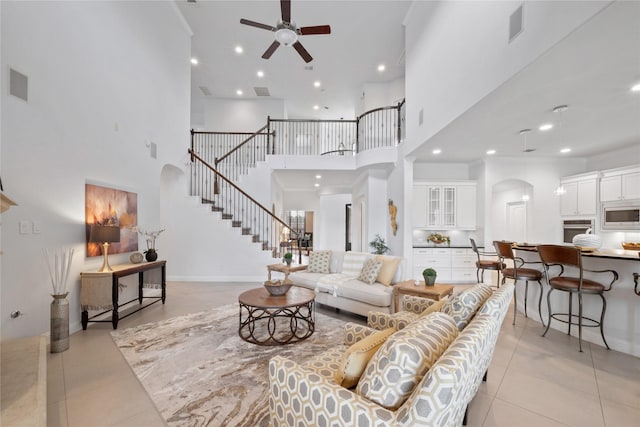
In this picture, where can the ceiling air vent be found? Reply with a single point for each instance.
(205, 90)
(262, 91)
(516, 23)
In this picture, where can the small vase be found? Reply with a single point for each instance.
(151, 256)
(288, 262)
(59, 323)
(429, 280)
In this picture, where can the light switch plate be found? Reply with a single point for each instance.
(25, 227)
(37, 227)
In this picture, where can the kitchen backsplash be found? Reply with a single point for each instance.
(457, 237)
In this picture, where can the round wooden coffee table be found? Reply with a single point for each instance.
(271, 320)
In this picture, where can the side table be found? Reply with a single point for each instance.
(284, 268)
(408, 287)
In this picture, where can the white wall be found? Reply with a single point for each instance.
(626, 156)
(105, 78)
(382, 94)
(440, 171)
(329, 221)
(237, 115)
(462, 48)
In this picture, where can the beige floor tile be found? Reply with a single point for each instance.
(619, 415)
(57, 414)
(503, 414)
(558, 401)
(478, 409)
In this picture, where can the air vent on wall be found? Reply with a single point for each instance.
(262, 91)
(205, 90)
(18, 85)
(516, 23)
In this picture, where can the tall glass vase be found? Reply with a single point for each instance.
(59, 323)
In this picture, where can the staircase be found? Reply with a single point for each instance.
(220, 158)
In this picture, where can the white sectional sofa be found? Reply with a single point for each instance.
(340, 287)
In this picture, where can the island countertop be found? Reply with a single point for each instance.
(600, 253)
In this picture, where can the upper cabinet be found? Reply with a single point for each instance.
(448, 206)
(580, 197)
(620, 185)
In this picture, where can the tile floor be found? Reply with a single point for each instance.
(532, 381)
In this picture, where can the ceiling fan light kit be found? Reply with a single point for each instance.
(286, 32)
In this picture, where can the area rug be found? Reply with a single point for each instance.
(199, 372)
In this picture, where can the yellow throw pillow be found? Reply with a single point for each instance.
(437, 306)
(388, 270)
(357, 356)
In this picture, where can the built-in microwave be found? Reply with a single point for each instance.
(623, 215)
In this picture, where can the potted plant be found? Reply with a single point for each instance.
(429, 275)
(288, 257)
(379, 246)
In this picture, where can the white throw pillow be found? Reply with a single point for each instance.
(353, 262)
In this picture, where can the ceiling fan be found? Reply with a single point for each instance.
(286, 32)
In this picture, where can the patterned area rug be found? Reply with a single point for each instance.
(199, 372)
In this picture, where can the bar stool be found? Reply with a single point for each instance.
(571, 256)
(486, 264)
(505, 251)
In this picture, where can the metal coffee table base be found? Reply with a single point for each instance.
(300, 320)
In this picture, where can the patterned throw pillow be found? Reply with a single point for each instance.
(463, 306)
(319, 262)
(353, 262)
(388, 270)
(357, 356)
(437, 306)
(403, 360)
(370, 271)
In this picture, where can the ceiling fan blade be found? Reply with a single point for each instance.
(257, 25)
(285, 6)
(267, 53)
(303, 52)
(319, 29)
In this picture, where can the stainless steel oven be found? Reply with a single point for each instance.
(573, 227)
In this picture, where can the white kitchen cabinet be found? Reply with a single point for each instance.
(620, 185)
(580, 198)
(444, 206)
(453, 265)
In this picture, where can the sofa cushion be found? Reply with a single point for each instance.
(388, 270)
(464, 305)
(370, 271)
(376, 294)
(404, 358)
(319, 262)
(433, 308)
(306, 279)
(355, 359)
(353, 262)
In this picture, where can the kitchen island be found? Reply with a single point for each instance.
(622, 319)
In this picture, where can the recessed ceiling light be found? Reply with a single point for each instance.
(490, 152)
(437, 151)
(260, 73)
(239, 49)
(239, 92)
(318, 176)
(317, 83)
(545, 127)
(565, 150)
(316, 185)
(316, 107)
(635, 88)
(194, 61)
(381, 67)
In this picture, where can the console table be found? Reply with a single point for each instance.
(99, 291)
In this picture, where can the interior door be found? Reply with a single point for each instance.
(517, 221)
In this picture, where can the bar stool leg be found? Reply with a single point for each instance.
(526, 291)
(580, 320)
(604, 309)
(498, 280)
(515, 303)
(549, 310)
(478, 275)
(540, 303)
(570, 312)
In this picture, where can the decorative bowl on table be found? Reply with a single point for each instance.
(631, 246)
(277, 287)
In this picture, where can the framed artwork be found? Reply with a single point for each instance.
(110, 206)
